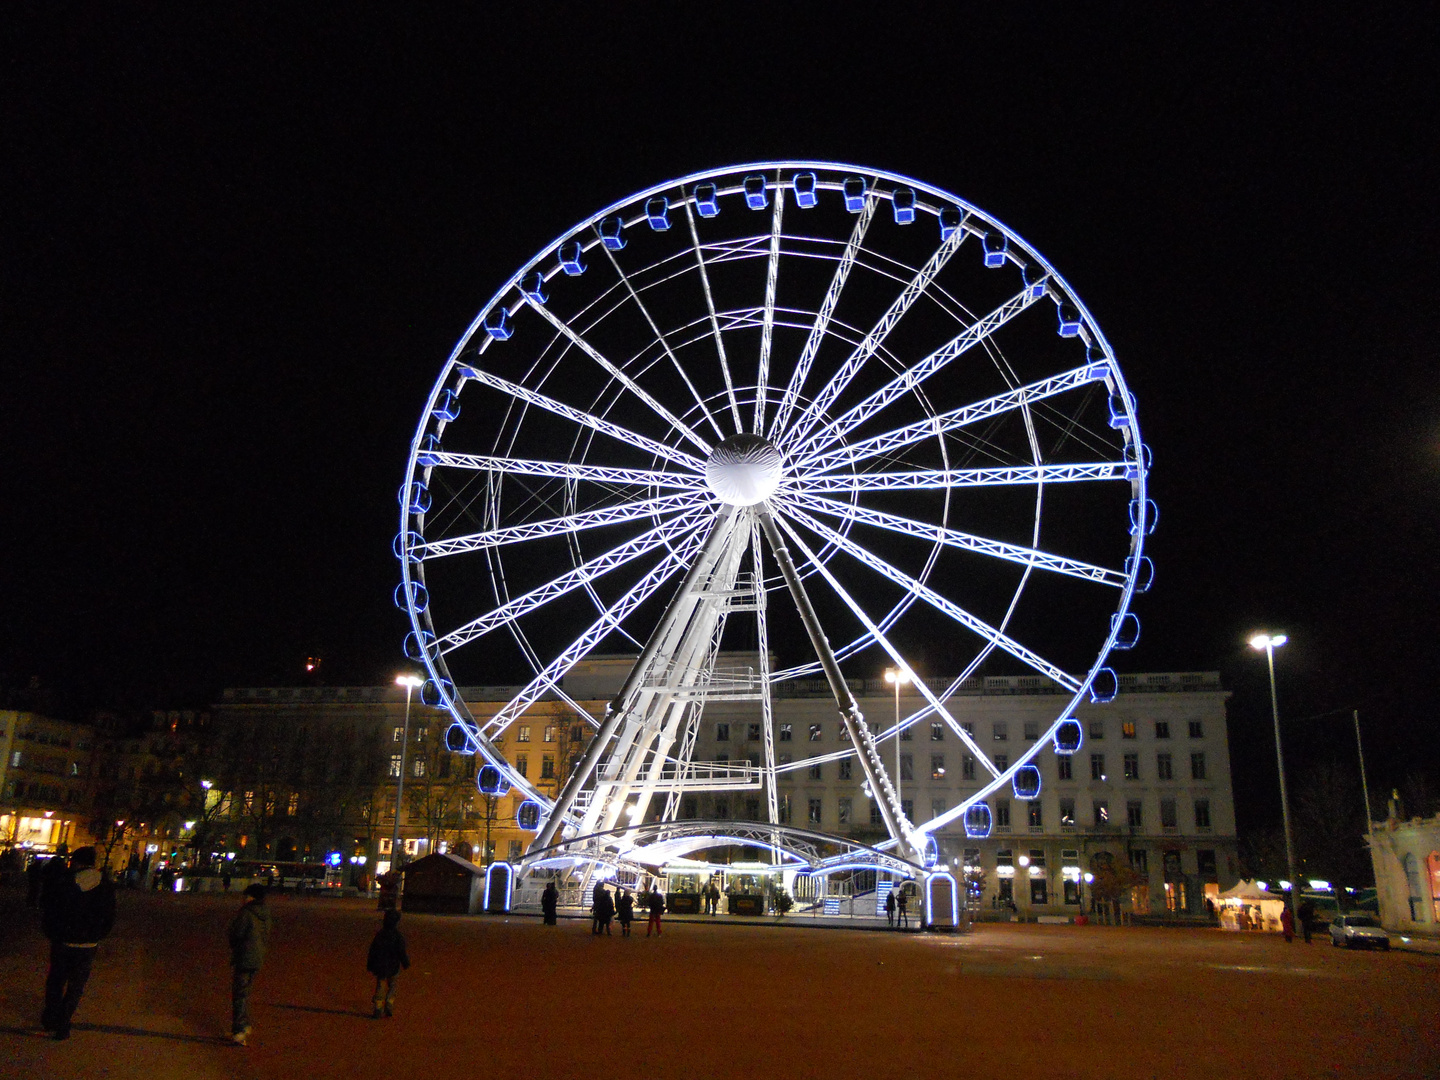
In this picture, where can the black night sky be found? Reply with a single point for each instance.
(238, 244)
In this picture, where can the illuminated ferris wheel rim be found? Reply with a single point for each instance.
(740, 483)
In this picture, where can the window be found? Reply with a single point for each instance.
(907, 767)
(907, 807)
(786, 733)
(417, 767)
(515, 850)
(1102, 813)
(1032, 730)
(1140, 861)
(722, 732)
(1132, 766)
(783, 805)
(522, 764)
(783, 759)
(1197, 766)
(815, 772)
(1162, 729)
(967, 767)
(1035, 814)
(1205, 861)
(577, 733)
(1202, 813)
(1097, 729)
(522, 734)
(550, 733)
(875, 818)
(814, 732)
(249, 800)
(547, 767)
(937, 766)
(907, 734)
(937, 732)
(1135, 814)
(752, 732)
(1163, 769)
(1197, 729)
(1002, 813)
(814, 812)
(294, 807)
(842, 809)
(1064, 767)
(937, 807)
(1001, 731)
(395, 767)
(1002, 761)
(722, 807)
(1127, 729)
(399, 735)
(969, 729)
(1097, 766)
(1067, 813)
(847, 768)
(422, 733)
(1168, 818)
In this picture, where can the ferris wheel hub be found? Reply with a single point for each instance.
(744, 470)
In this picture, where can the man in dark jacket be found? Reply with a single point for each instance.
(249, 937)
(387, 957)
(656, 905)
(79, 913)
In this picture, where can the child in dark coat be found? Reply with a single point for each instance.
(387, 957)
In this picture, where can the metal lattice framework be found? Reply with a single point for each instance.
(758, 406)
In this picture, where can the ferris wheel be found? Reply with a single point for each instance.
(828, 417)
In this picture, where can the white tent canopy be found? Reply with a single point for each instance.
(1248, 890)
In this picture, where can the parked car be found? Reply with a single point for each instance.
(1354, 931)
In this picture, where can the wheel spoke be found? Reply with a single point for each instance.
(954, 418)
(935, 600)
(714, 323)
(961, 540)
(907, 380)
(618, 375)
(564, 470)
(659, 536)
(580, 416)
(923, 479)
(936, 705)
(558, 526)
(654, 329)
(872, 341)
(767, 329)
(822, 321)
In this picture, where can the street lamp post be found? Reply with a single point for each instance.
(1269, 643)
(897, 677)
(409, 682)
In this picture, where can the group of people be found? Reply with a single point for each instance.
(605, 908)
(897, 908)
(1307, 921)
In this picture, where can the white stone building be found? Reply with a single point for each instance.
(1406, 856)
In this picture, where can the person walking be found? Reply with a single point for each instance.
(1287, 924)
(1307, 919)
(625, 910)
(387, 956)
(656, 905)
(249, 937)
(890, 908)
(549, 901)
(79, 913)
(902, 909)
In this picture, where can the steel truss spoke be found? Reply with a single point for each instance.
(654, 329)
(714, 323)
(934, 599)
(875, 632)
(659, 536)
(579, 416)
(862, 353)
(953, 419)
(767, 330)
(923, 479)
(558, 526)
(963, 541)
(907, 380)
(565, 470)
(822, 321)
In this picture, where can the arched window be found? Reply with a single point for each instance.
(1414, 888)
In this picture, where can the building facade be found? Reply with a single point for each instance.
(1406, 857)
(44, 776)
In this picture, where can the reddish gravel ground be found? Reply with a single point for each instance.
(494, 997)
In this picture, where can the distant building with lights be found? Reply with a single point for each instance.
(44, 776)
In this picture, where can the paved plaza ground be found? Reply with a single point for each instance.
(498, 997)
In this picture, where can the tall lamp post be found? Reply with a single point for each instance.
(897, 677)
(409, 682)
(1269, 643)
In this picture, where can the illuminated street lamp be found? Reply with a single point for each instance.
(1269, 643)
(897, 677)
(409, 682)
